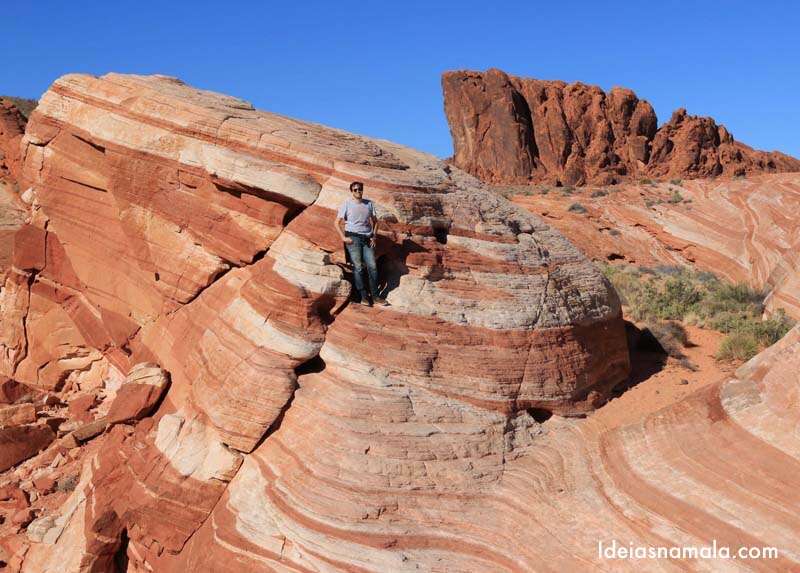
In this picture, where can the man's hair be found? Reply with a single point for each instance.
(355, 184)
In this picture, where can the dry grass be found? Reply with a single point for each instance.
(663, 294)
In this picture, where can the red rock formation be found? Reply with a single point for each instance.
(518, 130)
(12, 126)
(300, 433)
(743, 229)
(18, 443)
(184, 228)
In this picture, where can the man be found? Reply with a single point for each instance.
(360, 230)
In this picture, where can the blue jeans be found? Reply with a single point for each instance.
(361, 255)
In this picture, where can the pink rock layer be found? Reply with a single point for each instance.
(742, 229)
(515, 130)
(182, 228)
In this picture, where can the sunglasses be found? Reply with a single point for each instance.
(357, 190)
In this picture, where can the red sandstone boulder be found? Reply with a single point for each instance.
(13, 498)
(79, 408)
(186, 229)
(517, 130)
(143, 388)
(18, 443)
(23, 517)
(17, 415)
(44, 484)
(11, 391)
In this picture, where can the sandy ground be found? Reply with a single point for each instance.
(655, 385)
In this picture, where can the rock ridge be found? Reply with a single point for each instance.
(514, 130)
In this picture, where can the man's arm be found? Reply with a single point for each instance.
(337, 224)
(374, 221)
(341, 215)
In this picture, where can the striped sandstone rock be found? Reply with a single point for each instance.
(184, 228)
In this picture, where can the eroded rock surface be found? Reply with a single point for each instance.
(515, 130)
(12, 126)
(181, 228)
(742, 229)
(179, 255)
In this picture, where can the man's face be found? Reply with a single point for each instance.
(357, 192)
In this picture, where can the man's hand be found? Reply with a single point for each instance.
(372, 242)
(348, 240)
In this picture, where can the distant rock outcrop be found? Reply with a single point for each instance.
(12, 126)
(517, 130)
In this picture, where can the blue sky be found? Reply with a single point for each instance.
(374, 67)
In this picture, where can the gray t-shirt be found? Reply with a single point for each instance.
(357, 216)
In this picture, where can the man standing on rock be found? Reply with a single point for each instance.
(360, 230)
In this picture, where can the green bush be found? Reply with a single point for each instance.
(670, 293)
(598, 193)
(577, 208)
(738, 346)
(675, 198)
(676, 181)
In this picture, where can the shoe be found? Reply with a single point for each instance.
(380, 301)
(366, 302)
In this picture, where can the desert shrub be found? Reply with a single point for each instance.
(577, 208)
(668, 270)
(649, 203)
(676, 181)
(614, 233)
(599, 193)
(670, 293)
(675, 297)
(645, 181)
(774, 328)
(738, 346)
(675, 198)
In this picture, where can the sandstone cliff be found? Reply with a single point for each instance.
(516, 130)
(184, 229)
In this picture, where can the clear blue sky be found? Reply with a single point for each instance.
(374, 67)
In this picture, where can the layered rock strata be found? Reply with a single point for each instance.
(744, 229)
(515, 130)
(185, 229)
